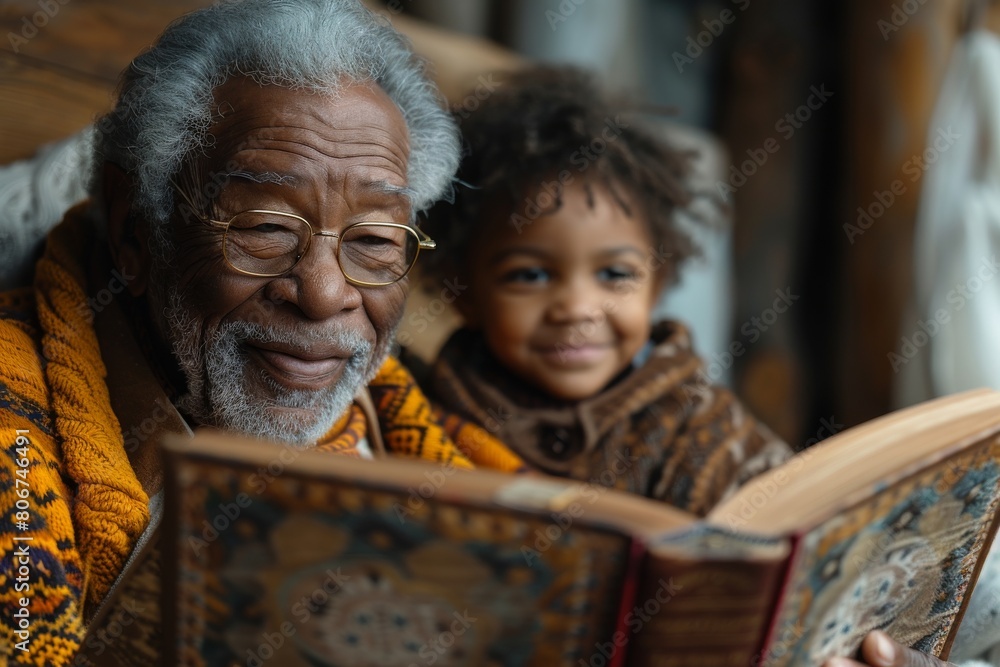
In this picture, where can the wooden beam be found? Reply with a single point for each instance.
(896, 61)
(97, 37)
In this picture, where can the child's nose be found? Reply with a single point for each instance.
(576, 302)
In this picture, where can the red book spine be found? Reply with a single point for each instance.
(637, 556)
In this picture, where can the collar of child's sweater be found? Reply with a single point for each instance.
(477, 386)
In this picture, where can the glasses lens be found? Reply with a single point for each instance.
(376, 253)
(265, 243)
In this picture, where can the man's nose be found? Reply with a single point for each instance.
(317, 284)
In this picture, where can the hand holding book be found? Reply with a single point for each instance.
(879, 650)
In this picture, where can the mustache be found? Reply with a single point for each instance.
(304, 339)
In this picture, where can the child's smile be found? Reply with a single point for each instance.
(572, 355)
(565, 301)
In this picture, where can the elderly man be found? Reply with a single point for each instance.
(242, 265)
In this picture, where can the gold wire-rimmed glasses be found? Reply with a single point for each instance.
(268, 244)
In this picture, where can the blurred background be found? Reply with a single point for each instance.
(813, 119)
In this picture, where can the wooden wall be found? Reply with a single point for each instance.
(60, 59)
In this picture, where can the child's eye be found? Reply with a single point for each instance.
(617, 273)
(526, 275)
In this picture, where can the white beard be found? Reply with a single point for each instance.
(219, 377)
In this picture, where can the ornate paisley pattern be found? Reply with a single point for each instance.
(860, 570)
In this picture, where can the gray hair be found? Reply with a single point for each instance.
(165, 105)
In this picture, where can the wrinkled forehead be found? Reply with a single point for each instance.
(358, 127)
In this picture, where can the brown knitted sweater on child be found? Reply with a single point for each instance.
(660, 429)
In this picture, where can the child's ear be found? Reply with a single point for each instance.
(465, 301)
(470, 314)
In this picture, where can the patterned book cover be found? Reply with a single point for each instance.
(293, 571)
(899, 561)
(378, 563)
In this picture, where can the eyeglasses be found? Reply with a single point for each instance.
(270, 243)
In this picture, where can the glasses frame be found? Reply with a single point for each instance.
(424, 242)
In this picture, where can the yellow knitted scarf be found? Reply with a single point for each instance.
(85, 507)
(410, 428)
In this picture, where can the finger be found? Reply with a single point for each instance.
(879, 650)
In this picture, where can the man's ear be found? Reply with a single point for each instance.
(128, 239)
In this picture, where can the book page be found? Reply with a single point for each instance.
(901, 562)
(841, 471)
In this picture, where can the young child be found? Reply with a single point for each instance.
(563, 231)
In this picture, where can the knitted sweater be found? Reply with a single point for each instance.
(660, 431)
(72, 506)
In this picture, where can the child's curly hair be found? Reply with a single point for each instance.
(540, 123)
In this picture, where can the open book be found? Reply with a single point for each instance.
(279, 556)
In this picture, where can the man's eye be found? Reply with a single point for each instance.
(262, 223)
(373, 240)
(532, 275)
(617, 273)
(267, 228)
